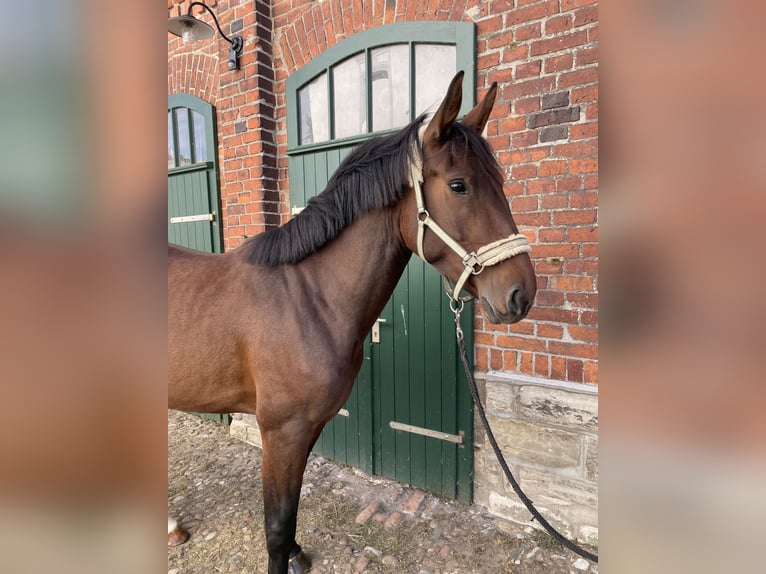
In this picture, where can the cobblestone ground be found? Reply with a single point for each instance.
(348, 522)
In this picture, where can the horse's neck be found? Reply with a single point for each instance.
(360, 268)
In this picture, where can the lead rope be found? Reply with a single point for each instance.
(456, 305)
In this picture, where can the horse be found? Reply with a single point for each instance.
(276, 327)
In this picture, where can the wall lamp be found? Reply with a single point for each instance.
(190, 30)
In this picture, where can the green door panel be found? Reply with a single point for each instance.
(190, 194)
(419, 382)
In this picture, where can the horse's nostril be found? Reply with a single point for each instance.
(518, 304)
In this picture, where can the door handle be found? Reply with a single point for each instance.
(376, 330)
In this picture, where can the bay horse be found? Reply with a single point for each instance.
(276, 327)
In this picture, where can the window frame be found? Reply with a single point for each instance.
(460, 34)
(207, 111)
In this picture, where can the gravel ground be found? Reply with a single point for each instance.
(348, 522)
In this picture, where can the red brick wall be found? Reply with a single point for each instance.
(544, 128)
(544, 55)
(245, 110)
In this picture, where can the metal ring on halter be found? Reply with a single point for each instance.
(425, 214)
(481, 268)
(453, 301)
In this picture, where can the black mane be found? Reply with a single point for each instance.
(374, 176)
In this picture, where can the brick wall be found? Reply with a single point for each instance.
(545, 130)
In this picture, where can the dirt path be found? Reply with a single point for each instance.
(348, 522)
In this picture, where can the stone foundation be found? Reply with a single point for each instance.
(547, 431)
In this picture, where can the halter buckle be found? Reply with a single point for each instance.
(471, 261)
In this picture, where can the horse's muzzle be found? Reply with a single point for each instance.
(518, 305)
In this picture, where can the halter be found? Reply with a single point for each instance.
(473, 262)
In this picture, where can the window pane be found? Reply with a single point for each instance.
(171, 143)
(350, 97)
(390, 87)
(184, 139)
(434, 68)
(315, 125)
(200, 142)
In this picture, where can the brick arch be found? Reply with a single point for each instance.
(305, 32)
(194, 73)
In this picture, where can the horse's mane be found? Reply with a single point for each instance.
(374, 176)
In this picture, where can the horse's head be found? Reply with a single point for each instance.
(463, 225)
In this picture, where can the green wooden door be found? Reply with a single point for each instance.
(193, 198)
(420, 390)
(411, 390)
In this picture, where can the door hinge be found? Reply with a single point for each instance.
(458, 439)
(191, 218)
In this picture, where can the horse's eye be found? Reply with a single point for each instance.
(458, 186)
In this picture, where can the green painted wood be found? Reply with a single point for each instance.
(333, 160)
(320, 170)
(311, 186)
(433, 364)
(384, 361)
(413, 375)
(416, 344)
(419, 354)
(188, 194)
(401, 378)
(464, 482)
(297, 189)
(448, 399)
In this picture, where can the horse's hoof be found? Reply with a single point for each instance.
(299, 564)
(177, 536)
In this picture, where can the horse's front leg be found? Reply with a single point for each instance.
(285, 452)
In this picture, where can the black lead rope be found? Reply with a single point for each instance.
(501, 459)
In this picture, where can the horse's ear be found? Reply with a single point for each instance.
(441, 124)
(477, 118)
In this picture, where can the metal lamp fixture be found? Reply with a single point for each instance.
(190, 30)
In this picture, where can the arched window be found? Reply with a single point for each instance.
(187, 137)
(378, 80)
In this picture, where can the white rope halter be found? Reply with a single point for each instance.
(473, 262)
